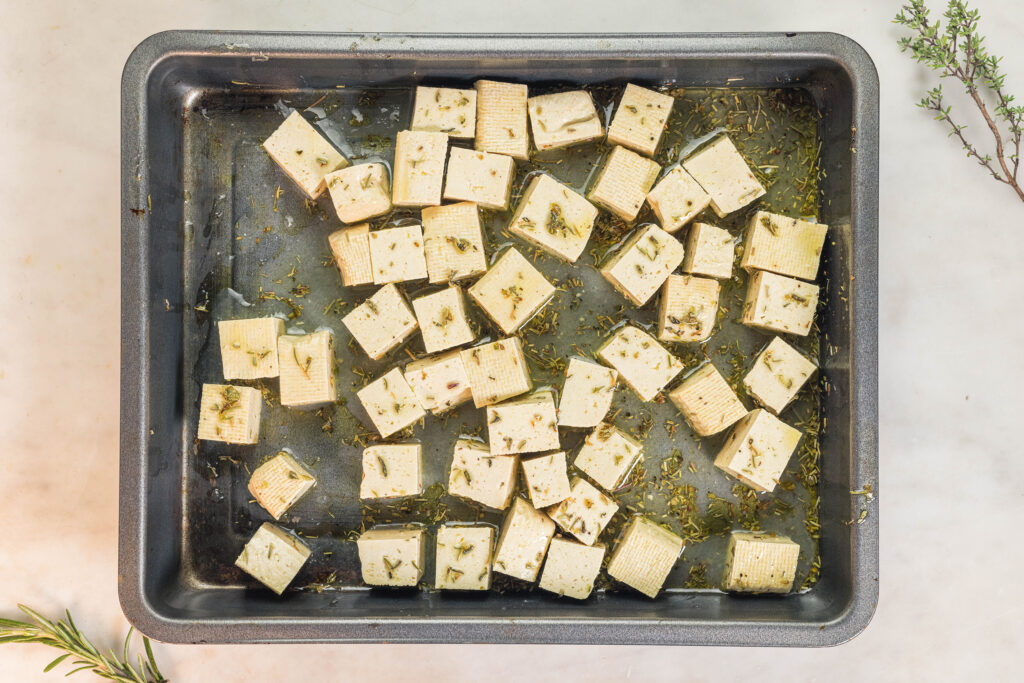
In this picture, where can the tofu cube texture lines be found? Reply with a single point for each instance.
(760, 563)
(511, 291)
(546, 479)
(496, 371)
(440, 382)
(707, 401)
(351, 250)
(307, 369)
(607, 455)
(563, 119)
(303, 154)
(445, 110)
(360, 192)
(523, 425)
(623, 183)
(248, 348)
(585, 512)
(758, 450)
(587, 393)
(644, 364)
(454, 242)
(397, 254)
(501, 119)
(644, 556)
(689, 306)
(478, 475)
(442, 319)
(553, 217)
(676, 199)
(783, 245)
(571, 568)
(523, 542)
(279, 483)
(230, 414)
(392, 471)
(273, 557)
(382, 322)
(643, 263)
(723, 173)
(390, 403)
(392, 556)
(780, 304)
(419, 168)
(480, 177)
(709, 251)
(777, 375)
(464, 557)
(640, 119)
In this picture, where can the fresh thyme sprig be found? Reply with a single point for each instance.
(958, 51)
(78, 651)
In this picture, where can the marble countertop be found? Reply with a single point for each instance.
(951, 239)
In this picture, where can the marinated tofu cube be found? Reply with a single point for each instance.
(783, 245)
(497, 371)
(382, 322)
(777, 375)
(442, 319)
(307, 369)
(760, 563)
(397, 254)
(230, 414)
(390, 403)
(360, 192)
(689, 306)
(523, 425)
(640, 119)
(758, 450)
(454, 242)
(351, 250)
(643, 263)
(563, 119)
(445, 110)
(419, 168)
(780, 304)
(644, 364)
(523, 542)
(248, 348)
(676, 199)
(585, 512)
(390, 556)
(478, 475)
(480, 177)
(707, 401)
(273, 557)
(440, 382)
(571, 568)
(709, 251)
(607, 455)
(644, 556)
(724, 174)
(546, 479)
(278, 483)
(553, 217)
(303, 154)
(392, 470)
(623, 183)
(501, 119)
(587, 394)
(464, 557)
(511, 291)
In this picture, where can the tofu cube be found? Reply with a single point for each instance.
(360, 192)
(278, 483)
(644, 364)
(390, 556)
(524, 540)
(230, 414)
(758, 450)
(553, 217)
(709, 251)
(623, 183)
(442, 319)
(780, 304)
(392, 470)
(501, 119)
(783, 245)
(571, 568)
(382, 322)
(585, 512)
(497, 371)
(777, 375)
(481, 177)
(723, 173)
(454, 242)
(643, 263)
(419, 168)
(445, 110)
(676, 199)
(478, 475)
(689, 306)
(644, 556)
(562, 119)
(351, 250)
(390, 403)
(707, 401)
(607, 455)
(523, 425)
(587, 394)
(273, 557)
(546, 479)
(248, 348)
(511, 291)
(440, 382)
(640, 119)
(397, 254)
(303, 154)
(307, 369)
(464, 557)
(760, 563)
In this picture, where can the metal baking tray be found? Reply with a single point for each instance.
(196, 195)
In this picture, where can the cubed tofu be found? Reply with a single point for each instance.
(390, 403)
(382, 322)
(230, 414)
(248, 348)
(562, 119)
(440, 382)
(643, 263)
(587, 394)
(547, 480)
(478, 475)
(523, 542)
(454, 242)
(501, 119)
(571, 568)
(351, 250)
(464, 557)
(644, 364)
(777, 375)
(445, 110)
(709, 251)
(480, 177)
(688, 308)
(392, 556)
(760, 563)
(360, 192)
(644, 556)
(724, 174)
(640, 119)
(273, 557)
(397, 254)
(523, 425)
(278, 483)
(783, 245)
(553, 217)
(303, 154)
(623, 183)
(307, 369)
(780, 304)
(419, 168)
(442, 319)
(676, 199)
(707, 401)
(585, 512)
(511, 291)
(758, 450)
(607, 455)
(392, 470)
(497, 371)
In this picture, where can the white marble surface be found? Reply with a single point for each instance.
(951, 337)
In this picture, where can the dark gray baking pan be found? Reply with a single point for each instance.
(204, 227)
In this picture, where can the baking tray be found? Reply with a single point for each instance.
(194, 106)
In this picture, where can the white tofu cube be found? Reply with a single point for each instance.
(758, 450)
(390, 403)
(707, 401)
(392, 470)
(585, 512)
(440, 382)
(523, 425)
(351, 250)
(783, 245)
(511, 291)
(571, 568)
(676, 199)
(644, 556)
(273, 557)
(360, 192)
(546, 479)
(723, 173)
(777, 375)
(478, 475)
(780, 304)
(307, 369)
(689, 306)
(553, 217)
(501, 119)
(623, 183)
(497, 371)
(454, 242)
(392, 556)
(442, 319)
(303, 154)
(760, 563)
(524, 540)
(562, 119)
(397, 254)
(248, 348)
(587, 394)
(481, 177)
(382, 322)
(709, 251)
(279, 483)
(419, 168)
(640, 119)
(643, 263)
(230, 414)
(644, 364)
(607, 455)
(445, 110)
(464, 557)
